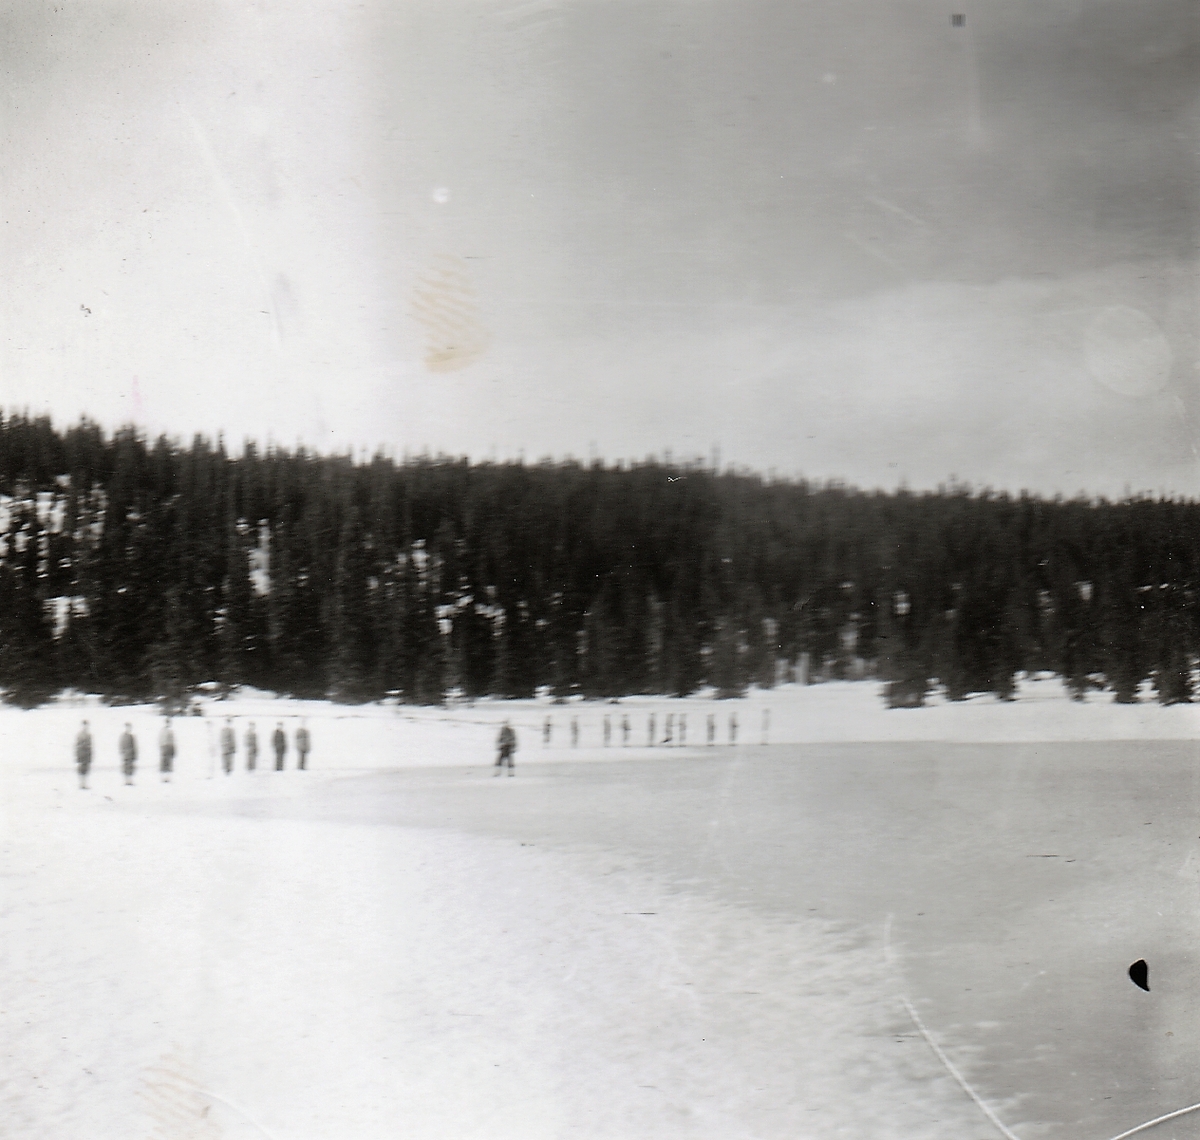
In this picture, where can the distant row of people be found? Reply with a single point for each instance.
(675, 729)
(127, 749)
(278, 743)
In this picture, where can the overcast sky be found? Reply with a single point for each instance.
(842, 238)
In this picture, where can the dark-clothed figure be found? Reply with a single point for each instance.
(279, 741)
(228, 746)
(303, 744)
(650, 730)
(574, 732)
(251, 748)
(83, 753)
(546, 728)
(506, 747)
(128, 748)
(733, 728)
(712, 728)
(166, 751)
(624, 731)
(670, 728)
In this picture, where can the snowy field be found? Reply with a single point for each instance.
(395, 944)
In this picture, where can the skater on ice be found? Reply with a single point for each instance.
(83, 754)
(251, 748)
(506, 745)
(279, 741)
(303, 744)
(228, 746)
(128, 749)
(166, 751)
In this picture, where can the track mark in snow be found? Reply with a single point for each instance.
(946, 1062)
(1158, 1120)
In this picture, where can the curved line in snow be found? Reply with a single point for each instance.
(946, 1062)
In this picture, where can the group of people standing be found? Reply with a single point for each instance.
(279, 744)
(675, 729)
(127, 749)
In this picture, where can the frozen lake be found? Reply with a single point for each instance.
(703, 946)
(1016, 884)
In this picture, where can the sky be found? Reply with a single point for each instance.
(843, 239)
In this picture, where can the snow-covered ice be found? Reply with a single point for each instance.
(175, 966)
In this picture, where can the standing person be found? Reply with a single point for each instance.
(733, 728)
(712, 728)
(683, 730)
(650, 731)
(166, 751)
(251, 748)
(669, 729)
(574, 732)
(546, 727)
(228, 746)
(128, 749)
(506, 747)
(83, 754)
(303, 744)
(624, 731)
(279, 740)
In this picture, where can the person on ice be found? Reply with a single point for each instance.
(83, 754)
(128, 749)
(506, 745)
(303, 745)
(279, 740)
(228, 746)
(166, 751)
(251, 748)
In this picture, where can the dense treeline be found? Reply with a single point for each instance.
(131, 568)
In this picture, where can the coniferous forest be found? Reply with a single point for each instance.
(134, 568)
